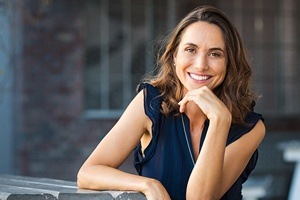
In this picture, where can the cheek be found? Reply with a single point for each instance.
(221, 68)
(224, 71)
(183, 58)
(221, 71)
(223, 74)
(177, 70)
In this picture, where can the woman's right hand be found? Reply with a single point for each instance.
(154, 190)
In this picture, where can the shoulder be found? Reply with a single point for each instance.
(246, 141)
(148, 89)
(259, 130)
(253, 122)
(252, 118)
(152, 99)
(253, 132)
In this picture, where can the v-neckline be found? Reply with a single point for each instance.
(186, 128)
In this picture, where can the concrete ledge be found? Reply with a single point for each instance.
(29, 188)
(256, 187)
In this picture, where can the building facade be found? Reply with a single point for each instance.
(69, 68)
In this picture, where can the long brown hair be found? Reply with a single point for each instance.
(234, 91)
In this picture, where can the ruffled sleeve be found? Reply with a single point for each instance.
(152, 101)
(238, 131)
(235, 133)
(152, 106)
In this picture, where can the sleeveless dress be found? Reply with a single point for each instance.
(168, 156)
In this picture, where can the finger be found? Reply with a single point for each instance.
(183, 102)
(181, 106)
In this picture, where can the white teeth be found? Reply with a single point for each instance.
(199, 78)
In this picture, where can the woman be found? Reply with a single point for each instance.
(192, 126)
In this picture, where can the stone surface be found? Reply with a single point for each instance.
(19, 187)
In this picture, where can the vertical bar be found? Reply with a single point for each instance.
(278, 78)
(149, 32)
(238, 14)
(258, 23)
(9, 17)
(127, 52)
(104, 55)
(171, 5)
(289, 74)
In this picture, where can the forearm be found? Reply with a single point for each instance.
(206, 177)
(102, 177)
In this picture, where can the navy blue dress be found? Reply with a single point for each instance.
(168, 158)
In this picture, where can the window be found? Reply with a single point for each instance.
(119, 50)
(269, 31)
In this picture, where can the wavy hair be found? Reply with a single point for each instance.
(234, 91)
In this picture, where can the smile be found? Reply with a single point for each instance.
(199, 77)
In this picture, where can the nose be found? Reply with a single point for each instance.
(201, 63)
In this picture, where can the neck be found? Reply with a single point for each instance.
(195, 115)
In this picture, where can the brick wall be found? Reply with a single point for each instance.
(53, 133)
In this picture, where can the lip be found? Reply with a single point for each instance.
(199, 77)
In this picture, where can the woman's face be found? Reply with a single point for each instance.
(201, 58)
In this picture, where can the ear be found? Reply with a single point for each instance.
(174, 55)
(174, 59)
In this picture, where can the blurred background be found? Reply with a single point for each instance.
(68, 68)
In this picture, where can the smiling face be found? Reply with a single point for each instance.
(201, 57)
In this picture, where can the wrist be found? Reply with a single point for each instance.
(148, 183)
(221, 118)
(151, 185)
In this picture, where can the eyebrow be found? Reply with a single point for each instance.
(211, 49)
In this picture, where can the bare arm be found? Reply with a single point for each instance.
(216, 173)
(100, 172)
(218, 166)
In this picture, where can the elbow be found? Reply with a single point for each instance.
(190, 195)
(204, 191)
(81, 181)
(202, 197)
(79, 184)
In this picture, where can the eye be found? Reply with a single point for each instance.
(190, 50)
(215, 54)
